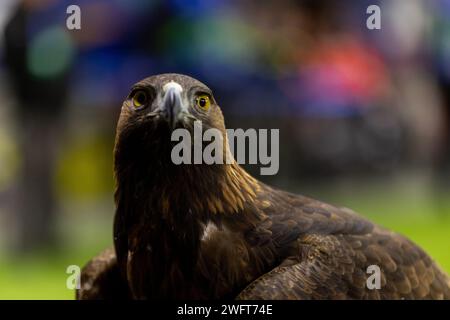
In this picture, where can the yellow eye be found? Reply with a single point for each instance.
(203, 102)
(140, 98)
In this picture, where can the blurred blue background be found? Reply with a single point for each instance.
(364, 115)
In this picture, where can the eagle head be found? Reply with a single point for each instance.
(154, 109)
(160, 104)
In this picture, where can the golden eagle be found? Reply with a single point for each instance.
(214, 232)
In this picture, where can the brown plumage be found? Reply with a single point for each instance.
(214, 231)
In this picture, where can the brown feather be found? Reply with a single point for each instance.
(201, 232)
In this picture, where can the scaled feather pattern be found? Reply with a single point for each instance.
(215, 232)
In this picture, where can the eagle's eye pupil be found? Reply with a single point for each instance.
(203, 102)
(139, 99)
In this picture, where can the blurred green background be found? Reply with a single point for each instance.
(364, 115)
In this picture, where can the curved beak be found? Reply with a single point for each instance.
(172, 105)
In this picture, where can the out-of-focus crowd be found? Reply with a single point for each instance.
(347, 100)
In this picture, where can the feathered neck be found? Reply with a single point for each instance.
(201, 190)
(166, 209)
(147, 179)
